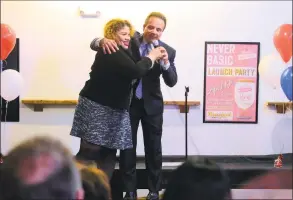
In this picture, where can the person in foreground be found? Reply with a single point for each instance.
(198, 179)
(147, 105)
(40, 168)
(95, 183)
(101, 117)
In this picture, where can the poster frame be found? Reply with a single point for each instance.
(205, 79)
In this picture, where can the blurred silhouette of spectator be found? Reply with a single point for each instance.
(198, 179)
(40, 168)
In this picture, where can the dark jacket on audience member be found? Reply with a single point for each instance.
(111, 78)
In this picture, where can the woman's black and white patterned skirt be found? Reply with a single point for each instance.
(102, 125)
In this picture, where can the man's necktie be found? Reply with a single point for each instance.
(138, 92)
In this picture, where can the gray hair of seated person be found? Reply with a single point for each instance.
(198, 178)
(60, 179)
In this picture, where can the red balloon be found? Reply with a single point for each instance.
(8, 40)
(283, 41)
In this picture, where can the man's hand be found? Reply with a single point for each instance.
(165, 57)
(109, 46)
(155, 54)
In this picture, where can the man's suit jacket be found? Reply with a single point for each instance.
(151, 86)
(111, 78)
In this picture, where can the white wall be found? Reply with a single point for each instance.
(55, 60)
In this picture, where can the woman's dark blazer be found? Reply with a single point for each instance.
(111, 78)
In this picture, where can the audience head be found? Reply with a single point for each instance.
(95, 184)
(119, 30)
(198, 179)
(40, 168)
(154, 25)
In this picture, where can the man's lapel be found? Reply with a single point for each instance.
(135, 44)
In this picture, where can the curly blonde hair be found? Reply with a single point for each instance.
(115, 25)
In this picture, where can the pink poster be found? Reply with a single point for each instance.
(231, 82)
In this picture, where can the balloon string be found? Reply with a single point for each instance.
(6, 109)
(5, 118)
(3, 64)
(282, 148)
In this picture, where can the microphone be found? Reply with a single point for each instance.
(155, 43)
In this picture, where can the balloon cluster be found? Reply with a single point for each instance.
(273, 68)
(283, 43)
(11, 80)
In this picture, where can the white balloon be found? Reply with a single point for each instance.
(271, 68)
(11, 84)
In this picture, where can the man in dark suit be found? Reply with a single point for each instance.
(147, 104)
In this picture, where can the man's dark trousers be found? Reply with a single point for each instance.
(152, 133)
